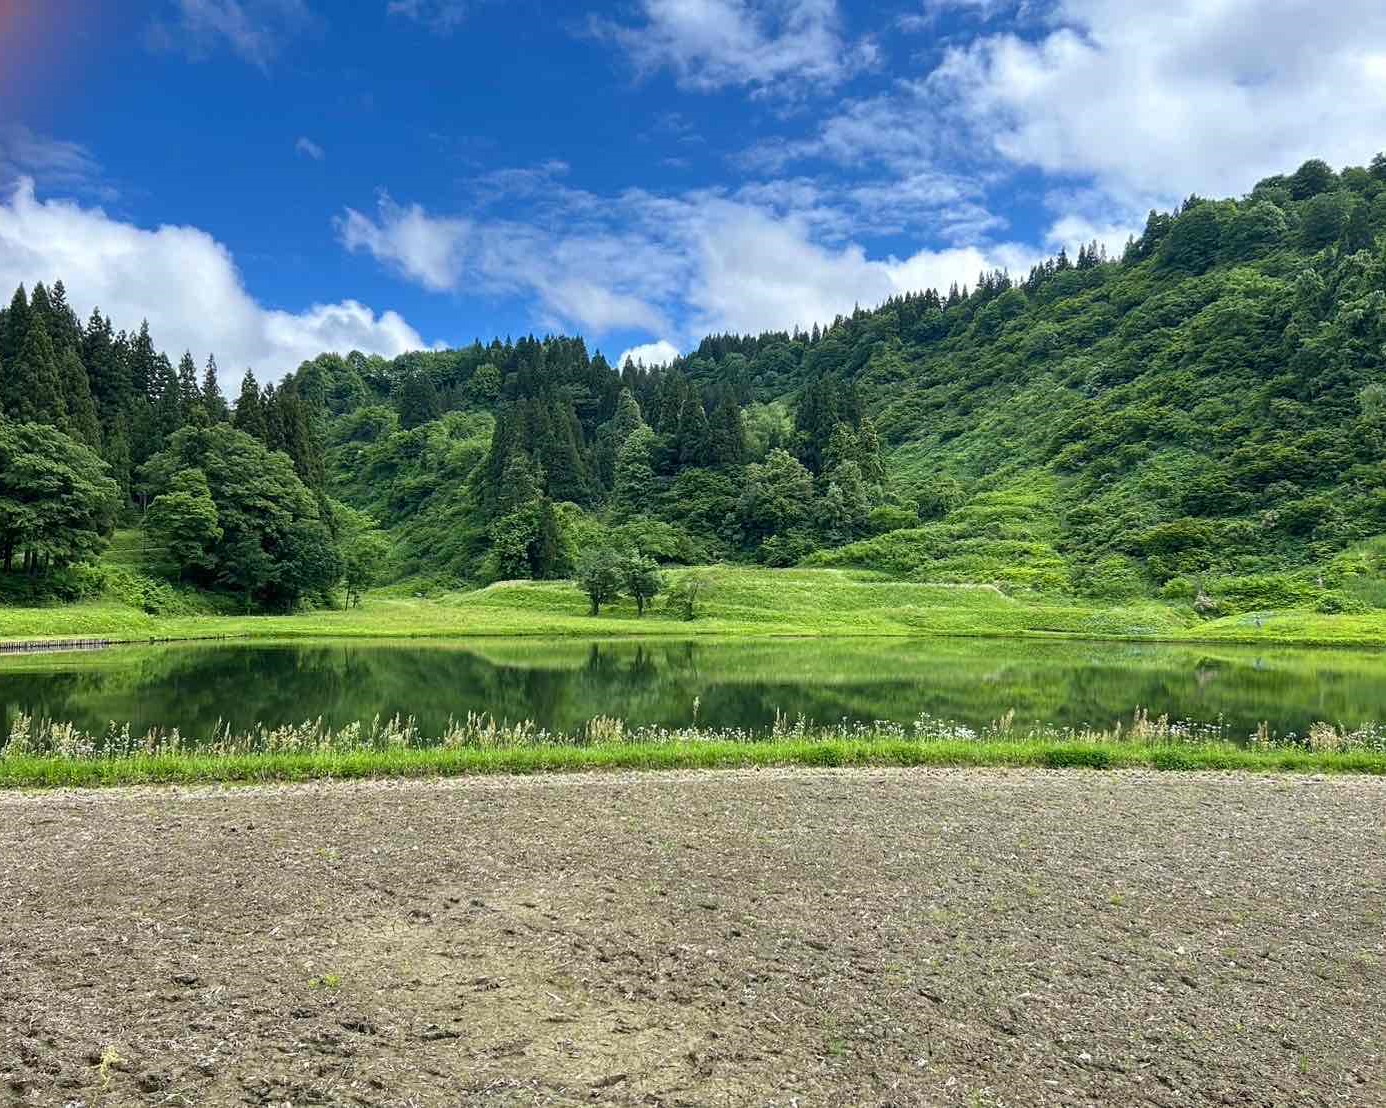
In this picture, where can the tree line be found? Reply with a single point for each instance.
(96, 426)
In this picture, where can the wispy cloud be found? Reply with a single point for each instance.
(440, 16)
(54, 163)
(769, 46)
(255, 30)
(309, 149)
(769, 255)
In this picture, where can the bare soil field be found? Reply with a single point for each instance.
(759, 938)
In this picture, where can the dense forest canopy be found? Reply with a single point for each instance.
(1203, 417)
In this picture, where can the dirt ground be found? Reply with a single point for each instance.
(760, 938)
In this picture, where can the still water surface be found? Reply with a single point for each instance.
(562, 684)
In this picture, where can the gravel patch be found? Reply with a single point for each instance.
(783, 937)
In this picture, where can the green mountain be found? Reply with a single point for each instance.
(1202, 418)
(1205, 415)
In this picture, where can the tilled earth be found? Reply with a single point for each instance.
(760, 938)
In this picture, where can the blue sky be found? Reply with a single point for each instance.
(268, 178)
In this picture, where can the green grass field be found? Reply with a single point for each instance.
(746, 601)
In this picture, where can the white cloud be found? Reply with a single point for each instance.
(309, 149)
(257, 30)
(1159, 100)
(1123, 107)
(424, 248)
(1073, 231)
(439, 16)
(938, 269)
(768, 45)
(753, 271)
(593, 276)
(186, 284)
(649, 355)
(672, 266)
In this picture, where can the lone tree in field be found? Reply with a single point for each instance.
(684, 598)
(642, 579)
(364, 558)
(600, 576)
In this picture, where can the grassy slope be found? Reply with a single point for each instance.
(746, 602)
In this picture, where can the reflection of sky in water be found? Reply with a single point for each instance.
(561, 685)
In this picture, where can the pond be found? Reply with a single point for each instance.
(563, 684)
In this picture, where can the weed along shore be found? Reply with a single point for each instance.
(44, 754)
(839, 936)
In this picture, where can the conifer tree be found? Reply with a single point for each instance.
(189, 395)
(869, 453)
(626, 419)
(548, 558)
(275, 437)
(250, 413)
(212, 399)
(296, 438)
(12, 338)
(522, 485)
(63, 327)
(554, 438)
(505, 439)
(38, 391)
(635, 476)
(116, 451)
(168, 401)
(144, 365)
(670, 401)
(694, 447)
(107, 371)
(41, 307)
(726, 435)
(81, 423)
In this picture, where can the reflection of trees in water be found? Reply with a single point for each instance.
(562, 685)
(40, 695)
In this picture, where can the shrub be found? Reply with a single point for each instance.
(886, 519)
(1113, 578)
(1179, 588)
(787, 549)
(1266, 591)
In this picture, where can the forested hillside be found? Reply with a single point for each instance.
(1202, 418)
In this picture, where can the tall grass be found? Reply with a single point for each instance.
(45, 753)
